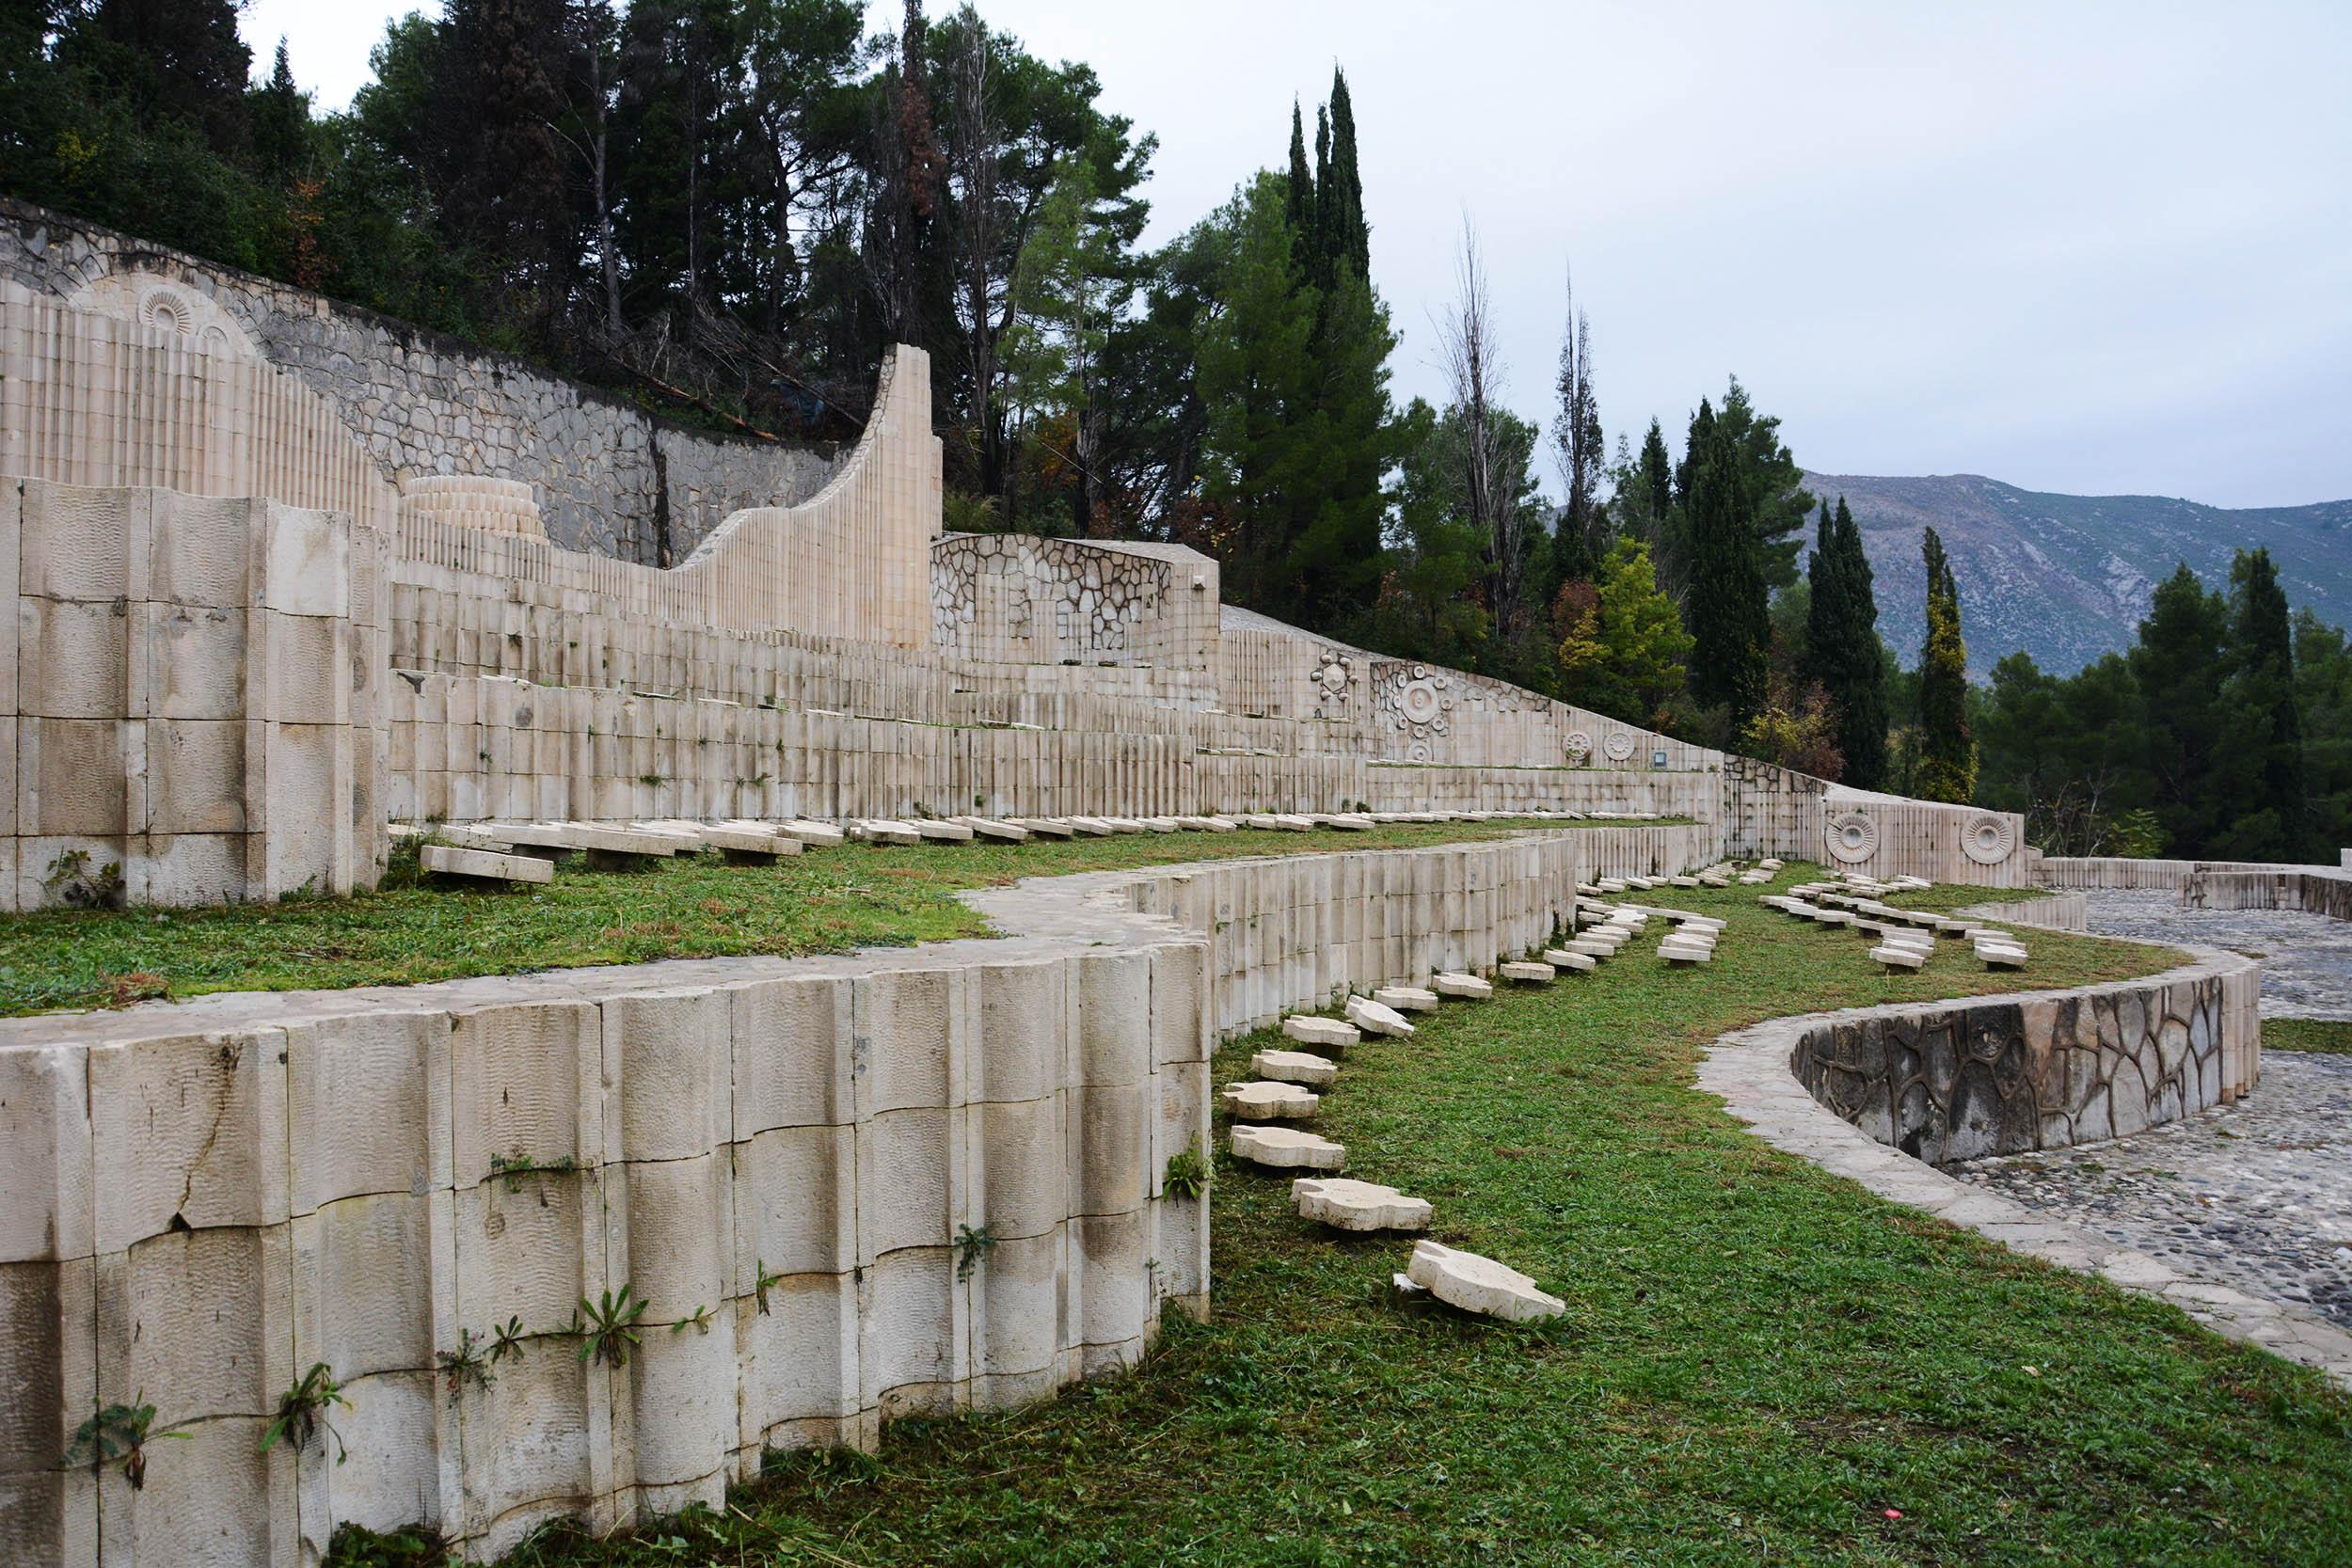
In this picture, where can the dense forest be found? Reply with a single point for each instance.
(727, 208)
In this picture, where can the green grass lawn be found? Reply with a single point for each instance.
(1759, 1364)
(698, 907)
(2333, 1036)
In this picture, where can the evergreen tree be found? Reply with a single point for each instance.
(2184, 731)
(281, 121)
(1302, 197)
(2263, 699)
(1843, 653)
(1947, 765)
(1728, 608)
(1350, 236)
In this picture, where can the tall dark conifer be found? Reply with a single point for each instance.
(1728, 609)
(1946, 769)
(1842, 649)
(2263, 692)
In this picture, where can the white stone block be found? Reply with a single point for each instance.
(1266, 1100)
(1344, 1204)
(1478, 1284)
(1467, 988)
(1294, 1067)
(446, 860)
(1527, 973)
(1406, 998)
(1286, 1148)
(1375, 1018)
(1328, 1034)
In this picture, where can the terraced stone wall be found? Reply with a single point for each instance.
(1968, 1079)
(777, 1158)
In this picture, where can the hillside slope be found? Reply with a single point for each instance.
(2068, 577)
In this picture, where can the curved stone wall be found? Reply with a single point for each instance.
(2002, 1075)
(785, 1160)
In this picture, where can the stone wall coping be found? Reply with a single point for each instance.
(1040, 918)
(1749, 1070)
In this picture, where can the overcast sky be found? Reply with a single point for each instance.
(2089, 247)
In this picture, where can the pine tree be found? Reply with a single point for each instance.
(2262, 693)
(1843, 653)
(1728, 608)
(1946, 769)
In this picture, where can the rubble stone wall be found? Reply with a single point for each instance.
(1962, 1080)
(610, 478)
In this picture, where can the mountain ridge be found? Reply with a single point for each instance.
(2068, 577)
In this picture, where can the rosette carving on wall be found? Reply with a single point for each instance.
(1853, 837)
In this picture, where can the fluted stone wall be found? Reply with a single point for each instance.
(1962, 1080)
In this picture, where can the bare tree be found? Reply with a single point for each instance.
(979, 144)
(586, 122)
(1473, 365)
(1577, 433)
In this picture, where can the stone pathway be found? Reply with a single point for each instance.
(1749, 1069)
(2307, 958)
(2257, 1194)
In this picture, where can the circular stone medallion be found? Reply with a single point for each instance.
(1853, 837)
(1619, 745)
(1986, 838)
(1420, 702)
(1577, 747)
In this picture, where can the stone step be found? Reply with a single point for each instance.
(1465, 987)
(1406, 998)
(1377, 1018)
(1527, 973)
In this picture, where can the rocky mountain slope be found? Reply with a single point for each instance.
(2068, 577)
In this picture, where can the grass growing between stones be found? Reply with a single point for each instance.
(693, 907)
(2328, 1034)
(1760, 1362)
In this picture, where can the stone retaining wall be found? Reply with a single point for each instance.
(2003, 1075)
(610, 478)
(208, 1199)
(2059, 911)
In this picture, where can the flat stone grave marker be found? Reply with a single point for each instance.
(1294, 1067)
(1527, 971)
(1466, 988)
(1328, 1034)
(1264, 1100)
(1344, 1204)
(1406, 998)
(1286, 1148)
(450, 860)
(1479, 1284)
(1374, 1018)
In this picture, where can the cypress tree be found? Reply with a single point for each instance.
(1302, 195)
(1947, 753)
(1729, 609)
(2184, 729)
(1842, 649)
(2263, 657)
(1351, 236)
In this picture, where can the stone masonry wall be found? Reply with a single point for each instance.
(1968, 1079)
(610, 478)
(777, 1157)
(210, 1197)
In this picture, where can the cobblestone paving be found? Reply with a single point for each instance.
(2307, 958)
(2257, 1194)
